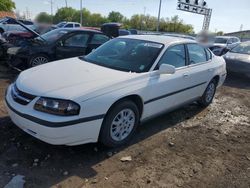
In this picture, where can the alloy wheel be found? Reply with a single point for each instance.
(122, 125)
(39, 61)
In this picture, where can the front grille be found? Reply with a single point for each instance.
(20, 96)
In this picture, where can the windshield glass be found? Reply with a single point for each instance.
(53, 35)
(124, 54)
(243, 48)
(61, 24)
(220, 40)
(3, 20)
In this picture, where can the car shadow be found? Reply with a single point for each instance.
(19, 147)
(237, 81)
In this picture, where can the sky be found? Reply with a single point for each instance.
(227, 16)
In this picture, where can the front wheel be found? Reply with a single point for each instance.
(39, 59)
(120, 124)
(209, 93)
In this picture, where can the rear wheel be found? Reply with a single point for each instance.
(120, 124)
(38, 59)
(209, 93)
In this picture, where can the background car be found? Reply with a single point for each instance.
(123, 32)
(10, 24)
(54, 45)
(238, 59)
(133, 31)
(67, 25)
(16, 38)
(222, 44)
(104, 95)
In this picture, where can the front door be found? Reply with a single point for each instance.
(166, 91)
(73, 46)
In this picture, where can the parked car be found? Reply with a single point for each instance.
(111, 29)
(16, 38)
(123, 32)
(54, 45)
(105, 95)
(222, 44)
(68, 25)
(10, 24)
(238, 59)
(133, 31)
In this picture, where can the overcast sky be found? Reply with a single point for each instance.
(228, 15)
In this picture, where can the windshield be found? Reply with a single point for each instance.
(220, 40)
(243, 48)
(3, 20)
(61, 24)
(53, 35)
(124, 54)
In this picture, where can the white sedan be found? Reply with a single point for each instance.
(106, 94)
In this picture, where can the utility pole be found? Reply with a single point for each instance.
(81, 12)
(51, 9)
(142, 18)
(159, 16)
(66, 3)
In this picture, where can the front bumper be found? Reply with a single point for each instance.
(75, 134)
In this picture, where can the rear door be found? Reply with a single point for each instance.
(73, 45)
(200, 69)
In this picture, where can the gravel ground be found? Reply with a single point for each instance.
(190, 147)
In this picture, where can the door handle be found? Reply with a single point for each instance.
(185, 75)
(210, 70)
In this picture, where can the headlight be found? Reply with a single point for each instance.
(57, 106)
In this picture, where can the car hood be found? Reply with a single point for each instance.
(237, 56)
(72, 78)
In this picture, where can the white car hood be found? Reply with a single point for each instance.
(70, 78)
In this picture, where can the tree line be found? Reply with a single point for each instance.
(137, 21)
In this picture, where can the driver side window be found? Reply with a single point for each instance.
(174, 56)
(78, 40)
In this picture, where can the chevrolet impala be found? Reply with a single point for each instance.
(105, 95)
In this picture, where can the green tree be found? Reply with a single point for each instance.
(86, 14)
(115, 17)
(44, 17)
(97, 20)
(65, 14)
(7, 5)
(220, 33)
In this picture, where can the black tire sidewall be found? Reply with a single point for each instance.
(105, 137)
(30, 62)
(203, 101)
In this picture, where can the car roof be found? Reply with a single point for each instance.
(158, 38)
(226, 37)
(78, 29)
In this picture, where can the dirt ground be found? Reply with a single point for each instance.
(190, 147)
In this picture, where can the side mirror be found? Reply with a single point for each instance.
(166, 69)
(229, 42)
(4, 23)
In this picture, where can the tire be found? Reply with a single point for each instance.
(37, 60)
(208, 95)
(115, 133)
